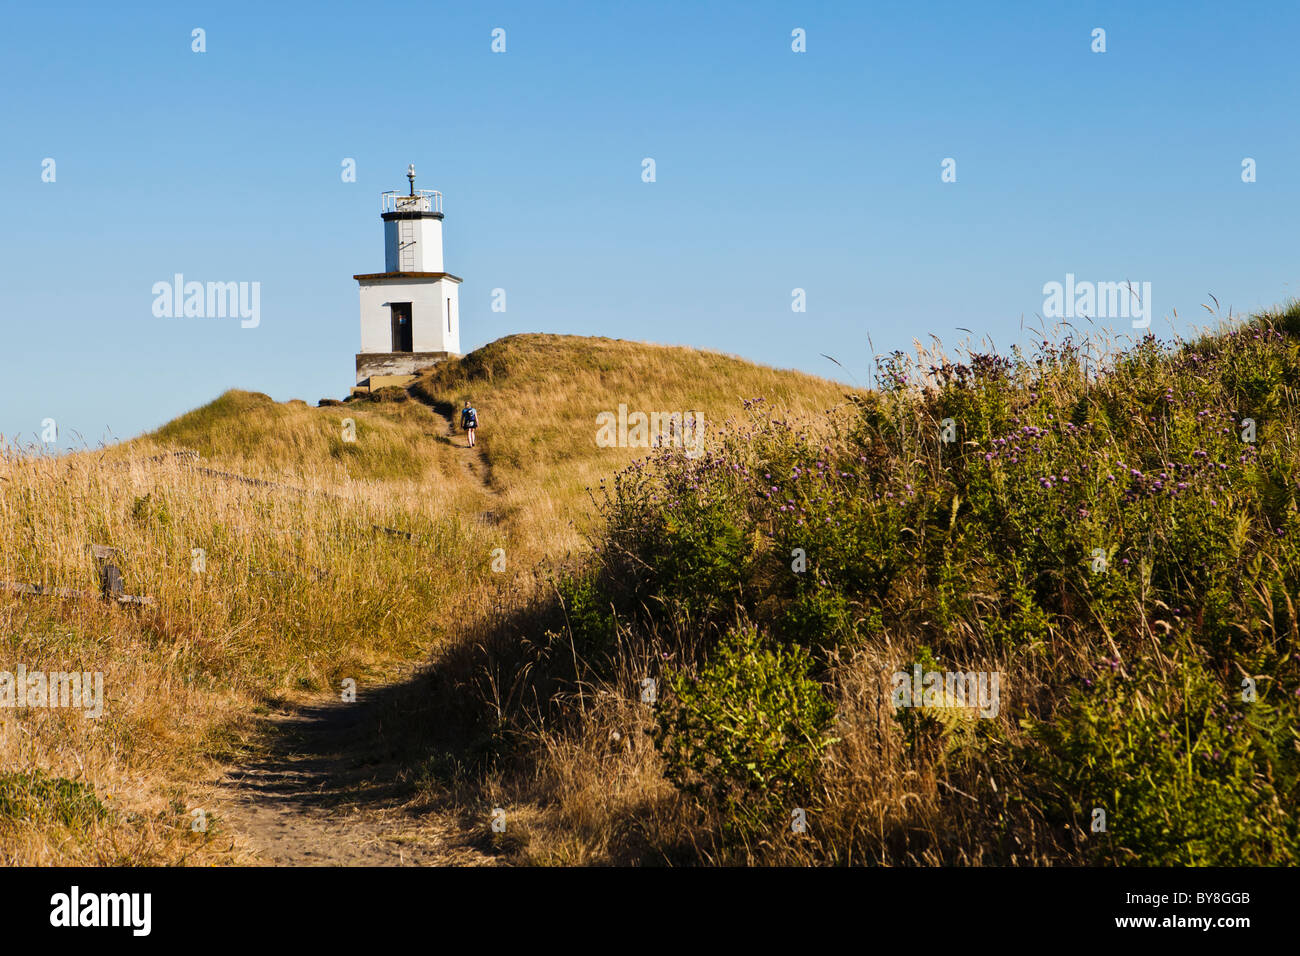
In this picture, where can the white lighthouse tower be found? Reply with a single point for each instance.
(409, 313)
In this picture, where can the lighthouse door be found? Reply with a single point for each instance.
(402, 337)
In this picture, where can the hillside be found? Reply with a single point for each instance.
(1023, 609)
(1036, 608)
(540, 396)
(286, 552)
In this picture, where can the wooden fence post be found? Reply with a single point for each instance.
(111, 585)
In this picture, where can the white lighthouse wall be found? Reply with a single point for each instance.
(451, 314)
(376, 319)
(430, 318)
(390, 246)
(428, 249)
(428, 244)
(429, 305)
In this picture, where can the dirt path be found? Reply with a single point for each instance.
(474, 461)
(323, 797)
(327, 793)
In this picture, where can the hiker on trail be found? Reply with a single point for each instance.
(469, 421)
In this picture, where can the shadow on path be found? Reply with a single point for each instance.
(331, 792)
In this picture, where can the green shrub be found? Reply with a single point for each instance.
(39, 797)
(1187, 773)
(819, 618)
(700, 567)
(745, 737)
(1081, 507)
(589, 616)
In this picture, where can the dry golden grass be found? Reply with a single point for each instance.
(299, 590)
(948, 789)
(300, 587)
(538, 398)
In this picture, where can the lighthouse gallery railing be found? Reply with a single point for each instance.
(424, 200)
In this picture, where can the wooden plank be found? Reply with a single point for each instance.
(39, 590)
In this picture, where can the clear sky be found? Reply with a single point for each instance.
(774, 170)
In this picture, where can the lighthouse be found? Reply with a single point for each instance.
(409, 314)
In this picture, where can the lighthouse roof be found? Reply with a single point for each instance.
(382, 276)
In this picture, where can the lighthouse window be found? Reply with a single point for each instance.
(449, 315)
(403, 340)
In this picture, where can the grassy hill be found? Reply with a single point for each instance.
(539, 397)
(1096, 560)
(289, 548)
(723, 658)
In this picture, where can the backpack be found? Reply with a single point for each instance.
(469, 418)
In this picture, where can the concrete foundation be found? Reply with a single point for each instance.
(395, 363)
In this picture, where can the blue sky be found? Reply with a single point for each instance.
(775, 170)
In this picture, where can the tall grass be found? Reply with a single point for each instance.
(298, 588)
(1115, 540)
(301, 585)
(1123, 682)
(538, 397)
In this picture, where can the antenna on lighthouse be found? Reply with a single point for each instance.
(410, 174)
